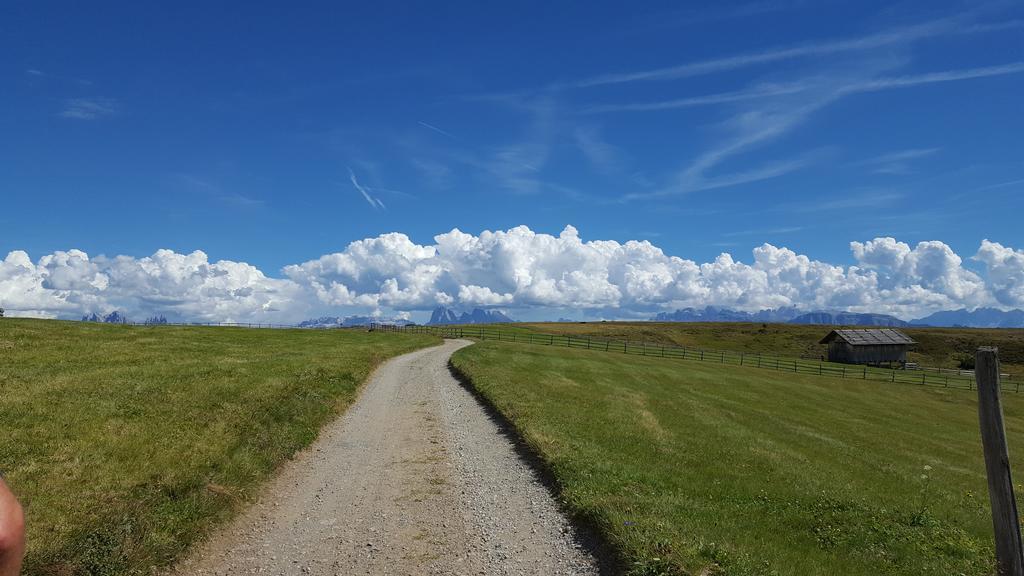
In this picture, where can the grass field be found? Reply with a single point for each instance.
(126, 444)
(692, 468)
(937, 347)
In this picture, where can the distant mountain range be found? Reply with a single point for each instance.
(444, 315)
(114, 317)
(716, 314)
(848, 319)
(979, 318)
(351, 321)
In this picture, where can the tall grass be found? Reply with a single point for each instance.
(126, 444)
(699, 469)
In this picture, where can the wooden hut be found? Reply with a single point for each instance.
(871, 346)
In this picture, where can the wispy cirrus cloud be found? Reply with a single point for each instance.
(1007, 186)
(215, 191)
(764, 232)
(38, 74)
(911, 80)
(89, 108)
(604, 156)
(748, 129)
(898, 162)
(435, 129)
(770, 119)
(434, 173)
(764, 112)
(515, 164)
(791, 88)
(372, 200)
(998, 185)
(850, 201)
(904, 35)
(712, 13)
(755, 93)
(517, 167)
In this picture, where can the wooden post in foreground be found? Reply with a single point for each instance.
(1009, 554)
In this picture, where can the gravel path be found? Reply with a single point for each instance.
(415, 478)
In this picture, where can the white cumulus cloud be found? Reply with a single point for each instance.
(1005, 270)
(513, 269)
(186, 286)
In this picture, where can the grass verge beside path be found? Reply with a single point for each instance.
(699, 469)
(126, 444)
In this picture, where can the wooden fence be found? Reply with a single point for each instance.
(933, 377)
(942, 377)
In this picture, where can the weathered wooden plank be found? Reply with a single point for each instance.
(1005, 521)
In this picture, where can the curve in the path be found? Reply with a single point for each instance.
(415, 478)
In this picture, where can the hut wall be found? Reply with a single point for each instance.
(839, 351)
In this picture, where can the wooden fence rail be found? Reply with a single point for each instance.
(950, 379)
(922, 376)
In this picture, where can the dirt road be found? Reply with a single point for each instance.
(414, 479)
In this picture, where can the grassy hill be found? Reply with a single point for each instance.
(125, 444)
(698, 468)
(937, 347)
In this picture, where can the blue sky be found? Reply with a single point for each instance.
(272, 134)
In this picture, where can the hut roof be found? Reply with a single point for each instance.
(869, 337)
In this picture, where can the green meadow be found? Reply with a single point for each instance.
(936, 347)
(126, 444)
(695, 468)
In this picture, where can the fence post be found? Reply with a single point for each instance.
(1005, 521)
